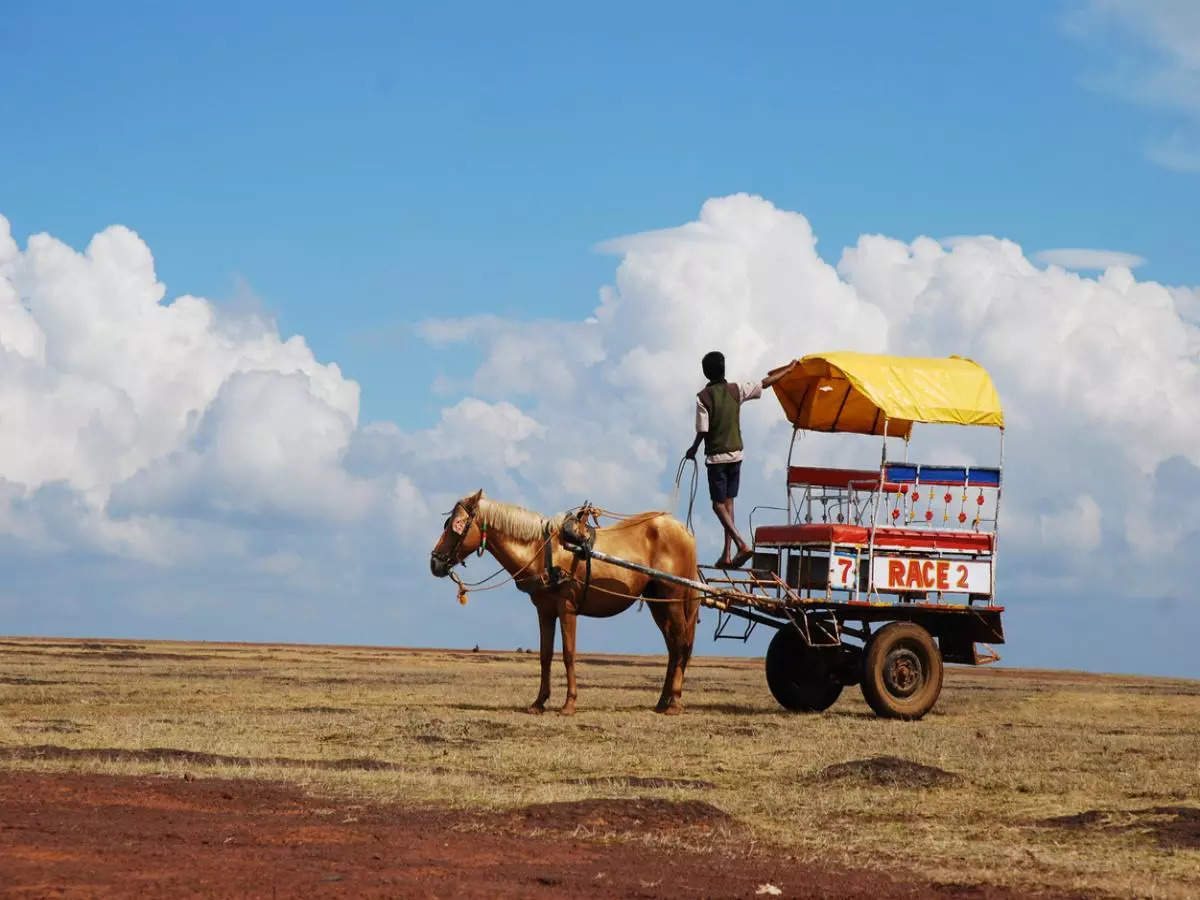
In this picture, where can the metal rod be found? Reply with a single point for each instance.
(656, 573)
(743, 613)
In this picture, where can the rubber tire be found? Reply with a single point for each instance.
(798, 675)
(910, 651)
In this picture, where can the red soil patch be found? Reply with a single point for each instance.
(170, 754)
(68, 835)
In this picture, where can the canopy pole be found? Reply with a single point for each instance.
(788, 473)
(874, 516)
(996, 515)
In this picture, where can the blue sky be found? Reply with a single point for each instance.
(356, 172)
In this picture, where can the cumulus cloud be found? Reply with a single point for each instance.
(170, 435)
(1099, 375)
(1086, 259)
(1175, 152)
(1159, 67)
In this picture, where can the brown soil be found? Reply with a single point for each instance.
(169, 754)
(1173, 826)
(67, 835)
(616, 816)
(890, 771)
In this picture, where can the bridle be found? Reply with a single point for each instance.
(447, 558)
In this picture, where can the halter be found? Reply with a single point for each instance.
(459, 535)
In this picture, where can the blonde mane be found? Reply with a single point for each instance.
(516, 521)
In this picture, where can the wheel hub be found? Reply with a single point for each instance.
(903, 673)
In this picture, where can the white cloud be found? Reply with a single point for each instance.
(1175, 152)
(1099, 375)
(1076, 527)
(201, 443)
(1159, 69)
(1082, 258)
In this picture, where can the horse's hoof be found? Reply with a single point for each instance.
(535, 710)
(567, 711)
(673, 709)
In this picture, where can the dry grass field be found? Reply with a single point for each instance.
(1062, 782)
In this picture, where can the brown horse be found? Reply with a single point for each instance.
(517, 538)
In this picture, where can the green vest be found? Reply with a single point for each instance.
(723, 404)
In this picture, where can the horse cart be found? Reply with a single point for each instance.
(875, 576)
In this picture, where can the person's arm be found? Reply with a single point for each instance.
(774, 376)
(701, 429)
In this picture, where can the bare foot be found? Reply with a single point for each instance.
(743, 557)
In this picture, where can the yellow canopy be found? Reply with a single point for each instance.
(857, 392)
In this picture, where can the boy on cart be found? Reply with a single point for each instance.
(718, 425)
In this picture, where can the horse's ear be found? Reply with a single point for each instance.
(476, 497)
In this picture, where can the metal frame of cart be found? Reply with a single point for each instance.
(876, 577)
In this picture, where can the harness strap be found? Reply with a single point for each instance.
(554, 575)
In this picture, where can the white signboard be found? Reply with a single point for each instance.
(842, 570)
(951, 576)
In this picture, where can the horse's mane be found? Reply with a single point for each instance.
(527, 525)
(517, 521)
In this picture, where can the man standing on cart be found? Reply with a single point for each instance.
(718, 425)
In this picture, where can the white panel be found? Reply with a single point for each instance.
(924, 574)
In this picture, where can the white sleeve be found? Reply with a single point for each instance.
(751, 390)
(701, 418)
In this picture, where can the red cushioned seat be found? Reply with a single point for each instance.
(812, 533)
(819, 476)
(822, 533)
(963, 541)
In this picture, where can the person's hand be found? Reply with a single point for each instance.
(690, 454)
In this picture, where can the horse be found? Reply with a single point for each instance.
(529, 547)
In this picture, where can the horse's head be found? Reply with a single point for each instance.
(461, 536)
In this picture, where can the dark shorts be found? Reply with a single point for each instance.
(723, 480)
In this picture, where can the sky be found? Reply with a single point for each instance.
(278, 284)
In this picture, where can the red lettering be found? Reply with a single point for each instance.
(845, 564)
(895, 573)
(943, 575)
(927, 574)
(962, 576)
(914, 574)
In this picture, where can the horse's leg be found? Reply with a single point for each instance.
(546, 626)
(662, 617)
(686, 610)
(567, 622)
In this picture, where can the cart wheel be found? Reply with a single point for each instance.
(902, 671)
(798, 675)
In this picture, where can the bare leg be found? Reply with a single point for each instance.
(724, 511)
(546, 626)
(567, 621)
